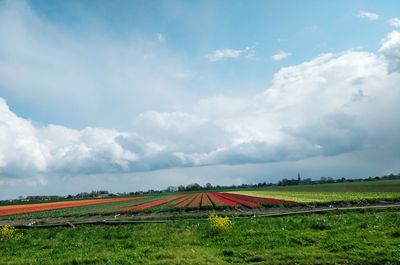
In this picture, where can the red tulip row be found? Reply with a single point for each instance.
(257, 199)
(186, 202)
(219, 200)
(217, 203)
(150, 204)
(242, 202)
(205, 200)
(196, 201)
(178, 201)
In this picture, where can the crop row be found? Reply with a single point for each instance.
(191, 201)
(145, 206)
(205, 201)
(259, 200)
(40, 207)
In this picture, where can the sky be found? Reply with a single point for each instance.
(136, 95)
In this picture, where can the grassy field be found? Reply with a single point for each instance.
(392, 185)
(369, 237)
(312, 196)
(331, 192)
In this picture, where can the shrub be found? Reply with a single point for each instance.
(8, 232)
(218, 223)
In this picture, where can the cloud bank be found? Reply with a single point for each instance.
(331, 105)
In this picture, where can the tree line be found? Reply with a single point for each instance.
(198, 187)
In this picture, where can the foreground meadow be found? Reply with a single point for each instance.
(356, 237)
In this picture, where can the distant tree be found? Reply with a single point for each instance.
(306, 181)
(323, 180)
(330, 180)
(193, 186)
(209, 186)
(172, 189)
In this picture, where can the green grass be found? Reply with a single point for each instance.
(331, 192)
(313, 196)
(366, 237)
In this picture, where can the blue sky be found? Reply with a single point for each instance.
(194, 91)
(193, 29)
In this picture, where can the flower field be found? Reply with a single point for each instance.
(152, 204)
(259, 200)
(40, 207)
(191, 201)
(218, 200)
(164, 202)
(206, 200)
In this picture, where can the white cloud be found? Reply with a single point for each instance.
(160, 37)
(280, 55)
(367, 15)
(327, 106)
(390, 48)
(73, 72)
(342, 95)
(29, 149)
(395, 22)
(222, 54)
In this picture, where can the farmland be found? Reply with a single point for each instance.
(356, 237)
(246, 199)
(332, 192)
(30, 208)
(392, 185)
(359, 236)
(171, 202)
(309, 196)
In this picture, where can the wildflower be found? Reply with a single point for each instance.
(218, 223)
(8, 232)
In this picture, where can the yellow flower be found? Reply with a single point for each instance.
(8, 232)
(219, 223)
